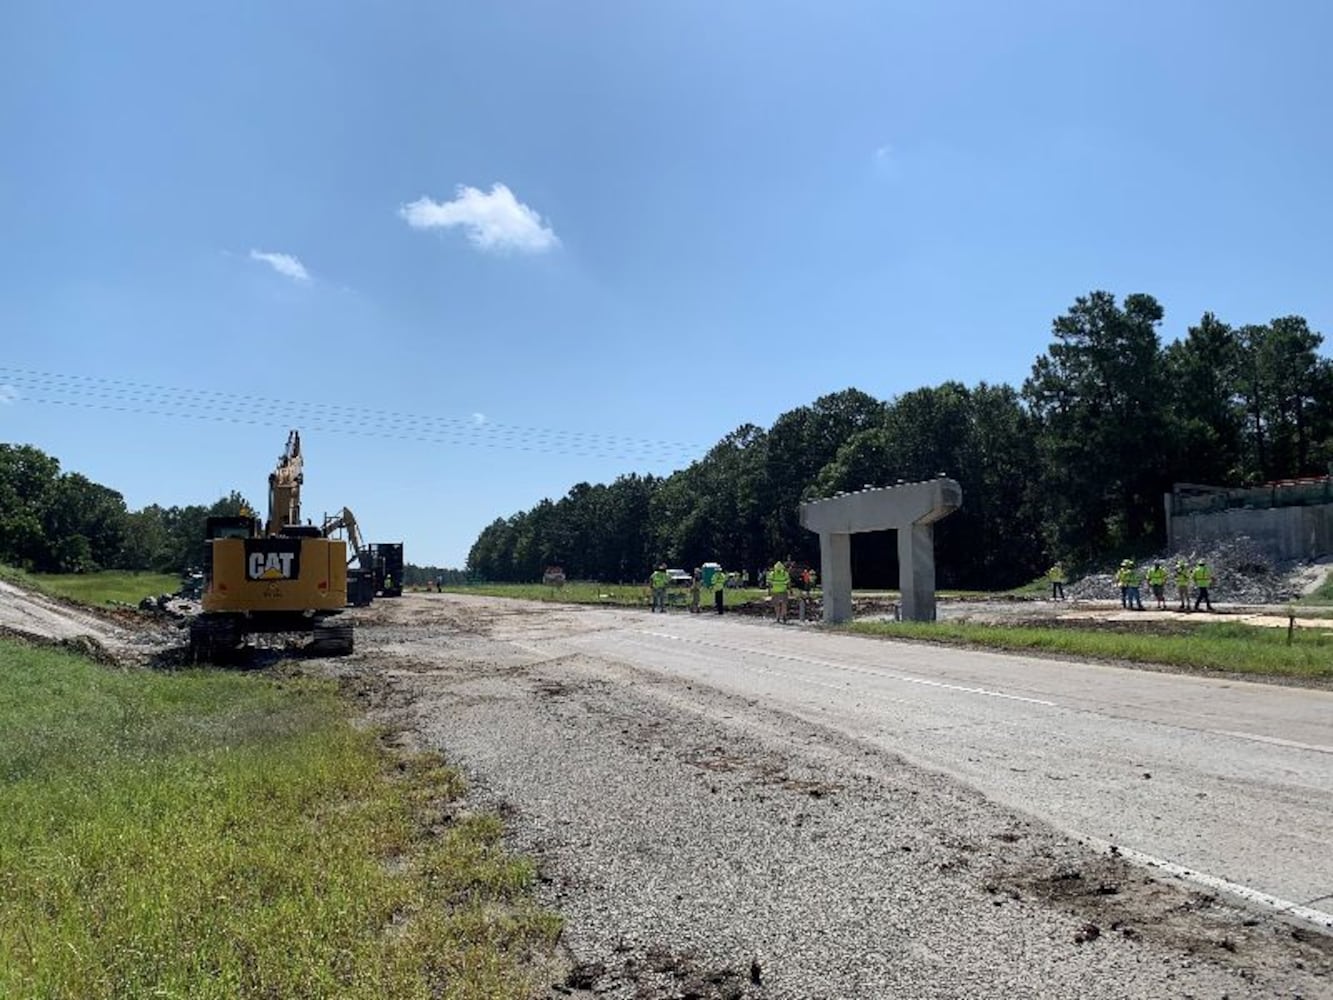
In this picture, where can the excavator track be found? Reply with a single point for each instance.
(332, 640)
(214, 638)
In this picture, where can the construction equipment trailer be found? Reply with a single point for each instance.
(274, 576)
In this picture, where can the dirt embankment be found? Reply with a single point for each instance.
(110, 635)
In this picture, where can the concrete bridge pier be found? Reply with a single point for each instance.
(910, 509)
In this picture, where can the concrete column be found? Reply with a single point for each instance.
(916, 572)
(835, 575)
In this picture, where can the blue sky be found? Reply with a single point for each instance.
(521, 245)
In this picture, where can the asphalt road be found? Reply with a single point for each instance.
(723, 808)
(1231, 781)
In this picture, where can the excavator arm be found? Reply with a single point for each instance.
(346, 521)
(284, 487)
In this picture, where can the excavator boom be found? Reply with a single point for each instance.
(284, 487)
(346, 521)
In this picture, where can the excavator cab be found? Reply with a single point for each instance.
(237, 526)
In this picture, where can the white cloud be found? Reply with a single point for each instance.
(8, 395)
(478, 418)
(495, 221)
(887, 161)
(284, 263)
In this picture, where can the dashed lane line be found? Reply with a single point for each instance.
(850, 668)
(1272, 740)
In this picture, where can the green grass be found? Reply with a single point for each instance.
(217, 835)
(619, 594)
(1322, 595)
(95, 588)
(1038, 588)
(637, 595)
(1240, 648)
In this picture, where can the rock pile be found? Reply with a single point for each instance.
(172, 605)
(1242, 574)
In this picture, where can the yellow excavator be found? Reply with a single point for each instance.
(276, 576)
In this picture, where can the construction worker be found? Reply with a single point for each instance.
(1183, 584)
(1157, 581)
(658, 582)
(1057, 576)
(1203, 579)
(1133, 581)
(719, 586)
(1122, 581)
(388, 582)
(779, 580)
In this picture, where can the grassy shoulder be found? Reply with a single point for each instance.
(1222, 646)
(209, 834)
(94, 588)
(614, 594)
(638, 595)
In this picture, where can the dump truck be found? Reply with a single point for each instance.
(277, 575)
(387, 560)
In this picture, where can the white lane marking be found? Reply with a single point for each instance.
(771, 671)
(1253, 896)
(1274, 740)
(850, 668)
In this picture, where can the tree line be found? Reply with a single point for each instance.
(424, 576)
(62, 522)
(1072, 465)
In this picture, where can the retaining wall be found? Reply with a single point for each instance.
(1285, 533)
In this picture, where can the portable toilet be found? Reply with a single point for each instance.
(709, 569)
